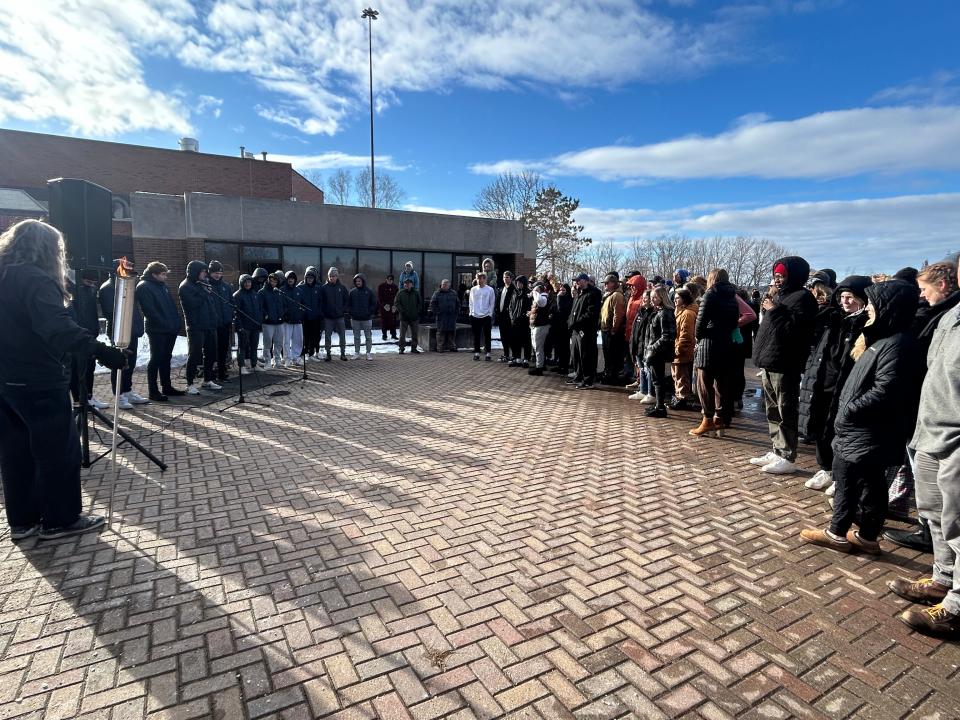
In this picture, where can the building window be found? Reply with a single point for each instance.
(344, 260)
(265, 256)
(436, 267)
(299, 258)
(226, 253)
(375, 264)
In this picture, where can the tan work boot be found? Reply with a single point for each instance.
(923, 590)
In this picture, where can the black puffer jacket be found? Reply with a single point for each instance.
(716, 320)
(638, 333)
(786, 331)
(661, 332)
(290, 296)
(248, 306)
(225, 309)
(814, 401)
(198, 303)
(878, 402)
(159, 311)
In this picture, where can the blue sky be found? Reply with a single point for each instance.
(832, 126)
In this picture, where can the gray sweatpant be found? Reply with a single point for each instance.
(338, 325)
(366, 326)
(938, 501)
(781, 395)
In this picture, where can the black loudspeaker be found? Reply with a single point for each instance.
(83, 212)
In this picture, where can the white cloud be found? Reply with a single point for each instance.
(335, 160)
(825, 145)
(943, 87)
(209, 103)
(869, 234)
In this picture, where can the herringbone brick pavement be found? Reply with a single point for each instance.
(428, 537)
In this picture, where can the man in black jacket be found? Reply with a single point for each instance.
(161, 321)
(584, 322)
(225, 311)
(780, 351)
(200, 315)
(334, 299)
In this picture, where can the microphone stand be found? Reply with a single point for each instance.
(244, 336)
(303, 348)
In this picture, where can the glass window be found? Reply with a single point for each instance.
(468, 262)
(265, 256)
(436, 267)
(344, 260)
(375, 264)
(298, 259)
(227, 253)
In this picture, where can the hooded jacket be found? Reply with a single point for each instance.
(361, 301)
(445, 306)
(292, 310)
(248, 306)
(197, 301)
(223, 290)
(409, 275)
(520, 302)
(309, 295)
(717, 318)
(639, 285)
(334, 299)
(878, 402)
(271, 304)
(160, 314)
(106, 298)
(786, 331)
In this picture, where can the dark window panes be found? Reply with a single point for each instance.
(227, 253)
(436, 267)
(344, 259)
(468, 262)
(401, 258)
(375, 264)
(265, 256)
(299, 259)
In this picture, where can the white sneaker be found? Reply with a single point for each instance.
(819, 481)
(137, 399)
(369, 356)
(764, 459)
(98, 404)
(357, 356)
(648, 400)
(192, 389)
(298, 362)
(211, 385)
(830, 490)
(780, 466)
(245, 371)
(286, 363)
(637, 396)
(124, 402)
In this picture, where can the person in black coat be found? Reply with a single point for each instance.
(161, 322)
(878, 405)
(334, 303)
(40, 453)
(502, 315)
(271, 321)
(223, 293)
(309, 292)
(780, 351)
(813, 402)
(584, 323)
(661, 333)
(128, 398)
(247, 305)
(714, 354)
(201, 314)
(559, 332)
(520, 323)
(828, 366)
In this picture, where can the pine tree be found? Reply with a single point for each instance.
(559, 238)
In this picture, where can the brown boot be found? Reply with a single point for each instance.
(922, 590)
(936, 620)
(871, 547)
(706, 425)
(821, 537)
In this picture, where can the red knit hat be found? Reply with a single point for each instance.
(780, 269)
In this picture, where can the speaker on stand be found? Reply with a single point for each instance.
(83, 212)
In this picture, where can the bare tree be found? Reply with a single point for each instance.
(510, 196)
(637, 257)
(600, 258)
(389, 192)
(559, 238)
(339, 187)
(759, 267)
(312, 175)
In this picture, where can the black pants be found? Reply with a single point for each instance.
(223, 351)
(658, 374)
(481, 333)
(202, 347)
(161, 350)
(825, 448)
(39, 457)
(81, 372)
(506, 334)
(247, 343)
(312, 332)
(860, 485)
(520, 339)
(585, 356)
(614, 345)
(126, 375)
(561, 345)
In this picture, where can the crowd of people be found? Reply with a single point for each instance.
(864, 369)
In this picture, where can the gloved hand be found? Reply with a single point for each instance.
(110, 357)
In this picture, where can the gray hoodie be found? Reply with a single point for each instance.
(938, 423)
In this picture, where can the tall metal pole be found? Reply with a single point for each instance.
(370, 14)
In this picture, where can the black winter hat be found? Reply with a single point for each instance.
(214, 266)
(822, 276)
(856, 284)
(908, 273)
(260, 274)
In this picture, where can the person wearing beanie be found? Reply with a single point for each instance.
(780, 351)
(223, 291)
(410, 274)
(613, 317)
(908, 274)
(308, 294)
(201, 314)
(334, 304)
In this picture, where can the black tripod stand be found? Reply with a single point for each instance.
(303, 348)
(245, 339)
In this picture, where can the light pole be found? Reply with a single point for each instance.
(370, 14)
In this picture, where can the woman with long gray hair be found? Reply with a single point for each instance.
(39, 445)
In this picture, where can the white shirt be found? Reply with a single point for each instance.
(482, 300)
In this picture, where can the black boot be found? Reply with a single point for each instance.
(915, 539)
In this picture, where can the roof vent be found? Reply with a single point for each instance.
(188, 144)
(249, 155)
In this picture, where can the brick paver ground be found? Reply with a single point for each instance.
(431, 537)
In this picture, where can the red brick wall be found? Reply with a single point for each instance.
(524, 266)
(8, 220)
(30, 159)
(304, 190)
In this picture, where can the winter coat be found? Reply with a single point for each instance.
(717, 318)
(561, 313)
(661, 333)
(199, 305)
(638, 334)
(271, 305)
(309, 295)
(445, 305)
(34, 317)
(386, 294)
(878, 402)
(106, 298)
(85, 309)
(160, 314)
(409, 304)
(412, 275)
(247, 303)
(335, 298)
(613, 312)
(639, 285)
(585, 314)
(222, 289)
(686, 321)
(786, 331)
(361, 301)
(928, 317)
(815, 398)
(290, 295)
(520, 302)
